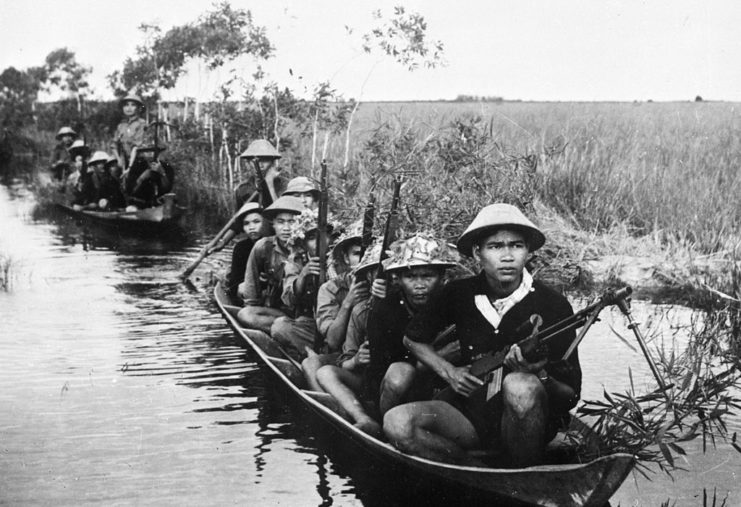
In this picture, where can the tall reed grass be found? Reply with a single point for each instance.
(6, 272)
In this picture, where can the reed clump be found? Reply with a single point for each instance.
(6, 272)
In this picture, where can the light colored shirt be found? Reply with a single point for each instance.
(263, 276)
(329, 300)
(357, 331)
(131, 133)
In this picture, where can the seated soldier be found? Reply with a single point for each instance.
(106, 193)
(523, 410)
(344, 378)
(388, 379)
(79, 185)
(336, 300)
(131, 131)
(300, 287)
(263, 277)
(303, 188)
(250, 219)
(148, 178)
(61, 161)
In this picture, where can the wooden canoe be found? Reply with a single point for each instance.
(575, 484)
(157, 218)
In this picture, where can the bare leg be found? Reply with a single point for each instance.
(433, 430)
(341, 383)
(311, 364)
(524, 418)
(258, 317)
(395, 385)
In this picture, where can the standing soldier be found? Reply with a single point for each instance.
(131, 131)
(61, 161)
(271, 185)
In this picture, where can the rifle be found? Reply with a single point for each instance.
(389, 229)
(322, 240)
(321, 245)
(263, 192)
(534, 346)
(369, 215)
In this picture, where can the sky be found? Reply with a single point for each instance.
(541, 50)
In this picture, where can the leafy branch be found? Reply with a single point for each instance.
(703, 390)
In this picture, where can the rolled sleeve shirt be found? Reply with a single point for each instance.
(130, 133)
(329, 300)
(263, 275)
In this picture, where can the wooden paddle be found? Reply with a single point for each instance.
(205, 250)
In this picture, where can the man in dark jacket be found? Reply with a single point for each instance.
(522, 406)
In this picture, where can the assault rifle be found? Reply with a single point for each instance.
(534, 347)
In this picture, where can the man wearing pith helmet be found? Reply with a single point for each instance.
(522, 408)
(303, 188)
(266, 156)
(263, 277)
(60, 158)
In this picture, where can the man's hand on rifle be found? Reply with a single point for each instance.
(312, 267)
(515, 361)
(362, 356)
(272, 172)
(358, 292)
(378, 289)
(462, 381)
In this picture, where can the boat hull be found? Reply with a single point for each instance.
(165, 217)
(581, 484)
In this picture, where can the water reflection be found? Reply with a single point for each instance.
(120, 384)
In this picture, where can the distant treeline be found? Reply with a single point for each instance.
(478, 98)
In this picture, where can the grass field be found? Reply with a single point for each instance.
(656, 181)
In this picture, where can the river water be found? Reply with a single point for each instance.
(121, 385)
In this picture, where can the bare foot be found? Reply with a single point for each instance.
(370, 427)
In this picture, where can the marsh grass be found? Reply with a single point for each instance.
(6, 272)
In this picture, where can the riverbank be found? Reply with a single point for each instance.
(581, 261)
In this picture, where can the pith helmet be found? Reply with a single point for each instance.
(66, 131)
(248, 207)
(284, 204)
(79, 148)
(421, 250)
(370, 259)
(98, 156)
(499, 216)
(302, 184)
(133, 98)
(260, 148)
(112, 160)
